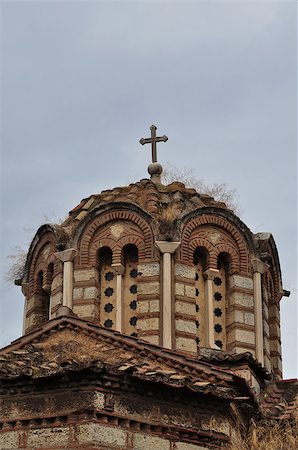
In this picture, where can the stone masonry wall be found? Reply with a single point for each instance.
(185, 308)
(240, 315)
(148, 311)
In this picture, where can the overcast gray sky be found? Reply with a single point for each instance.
(83, 81)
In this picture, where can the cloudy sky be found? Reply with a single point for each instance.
(81, 82)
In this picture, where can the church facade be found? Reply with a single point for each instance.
(151, 321)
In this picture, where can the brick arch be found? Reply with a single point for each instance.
(38, 263)
(224, 224)
(195, 243)
(126, 240)
(235, 264)
(94, 225)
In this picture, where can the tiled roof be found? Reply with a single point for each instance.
(280, 400)
(157, 199)
(67, 345)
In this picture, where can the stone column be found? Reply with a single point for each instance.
(119, 271)
(67, 257)
(167, 249)
(209, 274)
(259, 267)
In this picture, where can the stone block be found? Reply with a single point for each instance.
(84, 310)
(9, 440)
(184, 271)
(149, 270)
(149, 442)
(42, 437)
(99, 400)
(78, 293)
(186, 326)
(143, 306)
(190, 291)
(95, 433)
(185, 308)
(249, 318)
(149, 288)
(218, 425)
(239, 298)
(266, 327)
(154, 306)
(186, 446)
(84, 274)
(90, 292)
(56, 299)
(152, 339)
(245, 336)
(241, 282)
(239, 316)
(152, 323)
(57, 281)
(179, 289)
(186, 345)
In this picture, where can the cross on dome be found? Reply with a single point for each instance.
(154, 168)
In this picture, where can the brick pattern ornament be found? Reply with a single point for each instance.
(130, 300)
(219, 309)
(107, 314)
(200, 302)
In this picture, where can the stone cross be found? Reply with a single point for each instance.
(153, 141)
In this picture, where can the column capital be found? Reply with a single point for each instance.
(66, 255)
(259, 266)
(210, 274)
(119, 269)
(167, 246)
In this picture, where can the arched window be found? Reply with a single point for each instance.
(107, 289)
(220, 285)
(130, 289)
(43, 299)
(200, 263)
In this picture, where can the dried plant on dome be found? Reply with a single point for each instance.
(17, 265)
(219, 191)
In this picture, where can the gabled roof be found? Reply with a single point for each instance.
(69, 344)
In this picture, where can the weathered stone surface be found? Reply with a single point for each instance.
(149, 270)
(42, 437)
(57, 281)
(90, 292)
(152, 339)
(186, 344)
(152, 323)
(245, 336)
(249, 318)
(149, 288)
(179, 289)
(185, 308)
(242, 282)
(9, 440)
(190, 291)
(148, 442)
(56, 299)
(84, 274)
(143, 306)
(99, 400)
(84, 310)
(154, 306)
(78, 293)
(185, 326)
(184, 271)
(239, 298)
(185, 446)
(94, 433)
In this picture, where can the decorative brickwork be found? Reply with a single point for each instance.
(217, 235)
(99, 232)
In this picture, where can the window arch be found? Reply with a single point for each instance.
(107, 288)
(130, 289)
